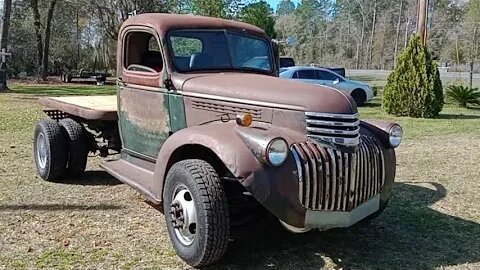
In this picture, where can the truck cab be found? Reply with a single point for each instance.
(201, 118)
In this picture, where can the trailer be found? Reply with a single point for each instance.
(99, 77)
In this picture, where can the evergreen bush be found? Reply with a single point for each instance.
(414, 88)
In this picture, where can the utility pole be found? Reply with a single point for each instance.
(422, 20)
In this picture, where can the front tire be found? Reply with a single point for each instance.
(196, 212)
(50, 150)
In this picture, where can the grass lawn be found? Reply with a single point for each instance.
(432, 221)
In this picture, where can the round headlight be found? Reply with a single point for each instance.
(395, 135)
(277, 151)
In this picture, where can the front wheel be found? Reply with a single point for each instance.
(196, 212)
(359, 96)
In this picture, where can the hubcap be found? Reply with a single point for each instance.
(41, 151)
(183, 215)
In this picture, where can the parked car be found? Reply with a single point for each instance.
(360, 92)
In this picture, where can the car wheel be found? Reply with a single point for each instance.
(77, 146)
(50, 150)
(359, 96)
(196, 212)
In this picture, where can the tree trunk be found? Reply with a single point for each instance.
(405, 41)
(38, 35)
(372, 36)
(397, 35)
(362, 41)
(46, 47)
(7, 10)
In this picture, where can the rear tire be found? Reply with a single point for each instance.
(77, 146)
(50, 150)
(359, 96)
(196, 212)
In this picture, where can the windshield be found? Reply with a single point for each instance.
(219, 50)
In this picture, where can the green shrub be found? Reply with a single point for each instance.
(414, 88)
(463, 95)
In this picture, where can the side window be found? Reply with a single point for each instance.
(307, 74)
(325, 75)
(142, 53)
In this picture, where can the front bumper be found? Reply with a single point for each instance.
(325, 220)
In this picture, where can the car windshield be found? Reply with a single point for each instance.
(195, 50)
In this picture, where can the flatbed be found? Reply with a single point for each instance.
(86, 107)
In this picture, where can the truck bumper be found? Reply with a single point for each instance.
(324, 220)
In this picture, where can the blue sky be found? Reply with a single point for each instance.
(274, 3)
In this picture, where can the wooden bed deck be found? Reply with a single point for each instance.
(87, 107)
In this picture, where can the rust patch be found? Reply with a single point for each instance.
(145, 109)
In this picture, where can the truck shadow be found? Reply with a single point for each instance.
(92, 178)
(408, 235)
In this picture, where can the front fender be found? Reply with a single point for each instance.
(380, 129)
(238, 147)
(221, 138)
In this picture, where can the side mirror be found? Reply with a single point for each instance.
(337, 80)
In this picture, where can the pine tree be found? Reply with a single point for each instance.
(414, 88)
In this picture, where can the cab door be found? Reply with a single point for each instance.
(143, 101)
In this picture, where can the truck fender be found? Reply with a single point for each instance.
(221, 138)
(380, 129)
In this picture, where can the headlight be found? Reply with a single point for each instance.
(395, 135)
(277, 151)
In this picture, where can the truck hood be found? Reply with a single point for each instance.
(265, 91)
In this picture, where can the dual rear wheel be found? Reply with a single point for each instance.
(60, 148)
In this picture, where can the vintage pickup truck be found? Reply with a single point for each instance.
(197, 122)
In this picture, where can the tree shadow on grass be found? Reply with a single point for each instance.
(372, 105)
(408, 235)
(458, 116)
(91, 178)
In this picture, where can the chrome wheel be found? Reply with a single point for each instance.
(183, 215)
(41, 151)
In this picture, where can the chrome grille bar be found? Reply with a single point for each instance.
(338, 129)
(338, 181)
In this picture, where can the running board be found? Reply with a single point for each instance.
(137, 177)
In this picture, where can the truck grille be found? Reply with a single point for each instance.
(338, 181)
(341, 129)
